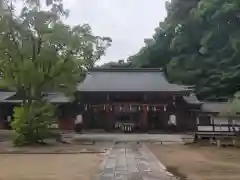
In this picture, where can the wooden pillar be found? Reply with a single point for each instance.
(192, 121)
(66, 119)
(212, 122)
(108, 119)
(165, 118)
(85, 122)
(160, 118)
(66, 123)
(1, 119)
(3, 124)
(144, 119)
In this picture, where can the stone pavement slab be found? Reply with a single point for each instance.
(168, 138)
(131, 161)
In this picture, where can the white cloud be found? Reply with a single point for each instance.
(127, 22)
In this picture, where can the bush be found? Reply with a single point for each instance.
(32, 123)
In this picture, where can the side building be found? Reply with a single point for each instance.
(212, 121)
(66, 110)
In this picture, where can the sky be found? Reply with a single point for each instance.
(127, 22)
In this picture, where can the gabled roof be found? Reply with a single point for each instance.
(7, 97)
(128, 80)
(10, 97)
(6, 94)
(192, 99)
(222, 109)
(215, 107)
(57, 98)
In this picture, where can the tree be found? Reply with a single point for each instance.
(197, 44)
(119, 64)
(94, 47)
(40, 54)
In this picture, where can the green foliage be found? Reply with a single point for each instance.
(118, 64)
(32, 123)
(198, 44)
(39, 54)
(31, 61)
(233, 108)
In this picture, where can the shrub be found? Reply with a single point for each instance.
(32, 123)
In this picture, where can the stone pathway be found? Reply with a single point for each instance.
(167, 138)
(132, 162)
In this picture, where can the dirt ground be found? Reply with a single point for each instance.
(49, 166)
(51, 162)
(194, 162)
(54, 148)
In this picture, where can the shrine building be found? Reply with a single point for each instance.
(136, 100)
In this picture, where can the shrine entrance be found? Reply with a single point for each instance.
(126, 121)
(125, 117)
(141, 98)
(153, 121)
(157, 120)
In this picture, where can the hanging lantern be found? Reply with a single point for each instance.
(145, 97)
(154, 108)
(165, 108)
(174, 98)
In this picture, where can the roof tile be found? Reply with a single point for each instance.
(128, 80)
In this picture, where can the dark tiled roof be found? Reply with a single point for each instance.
(128, 80)
(11, 101)
(5, 95)
(192, 99)
(224, 109)
(57, 98)
(215, 107)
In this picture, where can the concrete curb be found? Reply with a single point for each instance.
(33, 153)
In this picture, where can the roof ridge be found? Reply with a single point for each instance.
(215, 102)
(126, 70)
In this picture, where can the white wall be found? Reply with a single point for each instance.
(218, 121)
(236, 121)
(205, 128)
